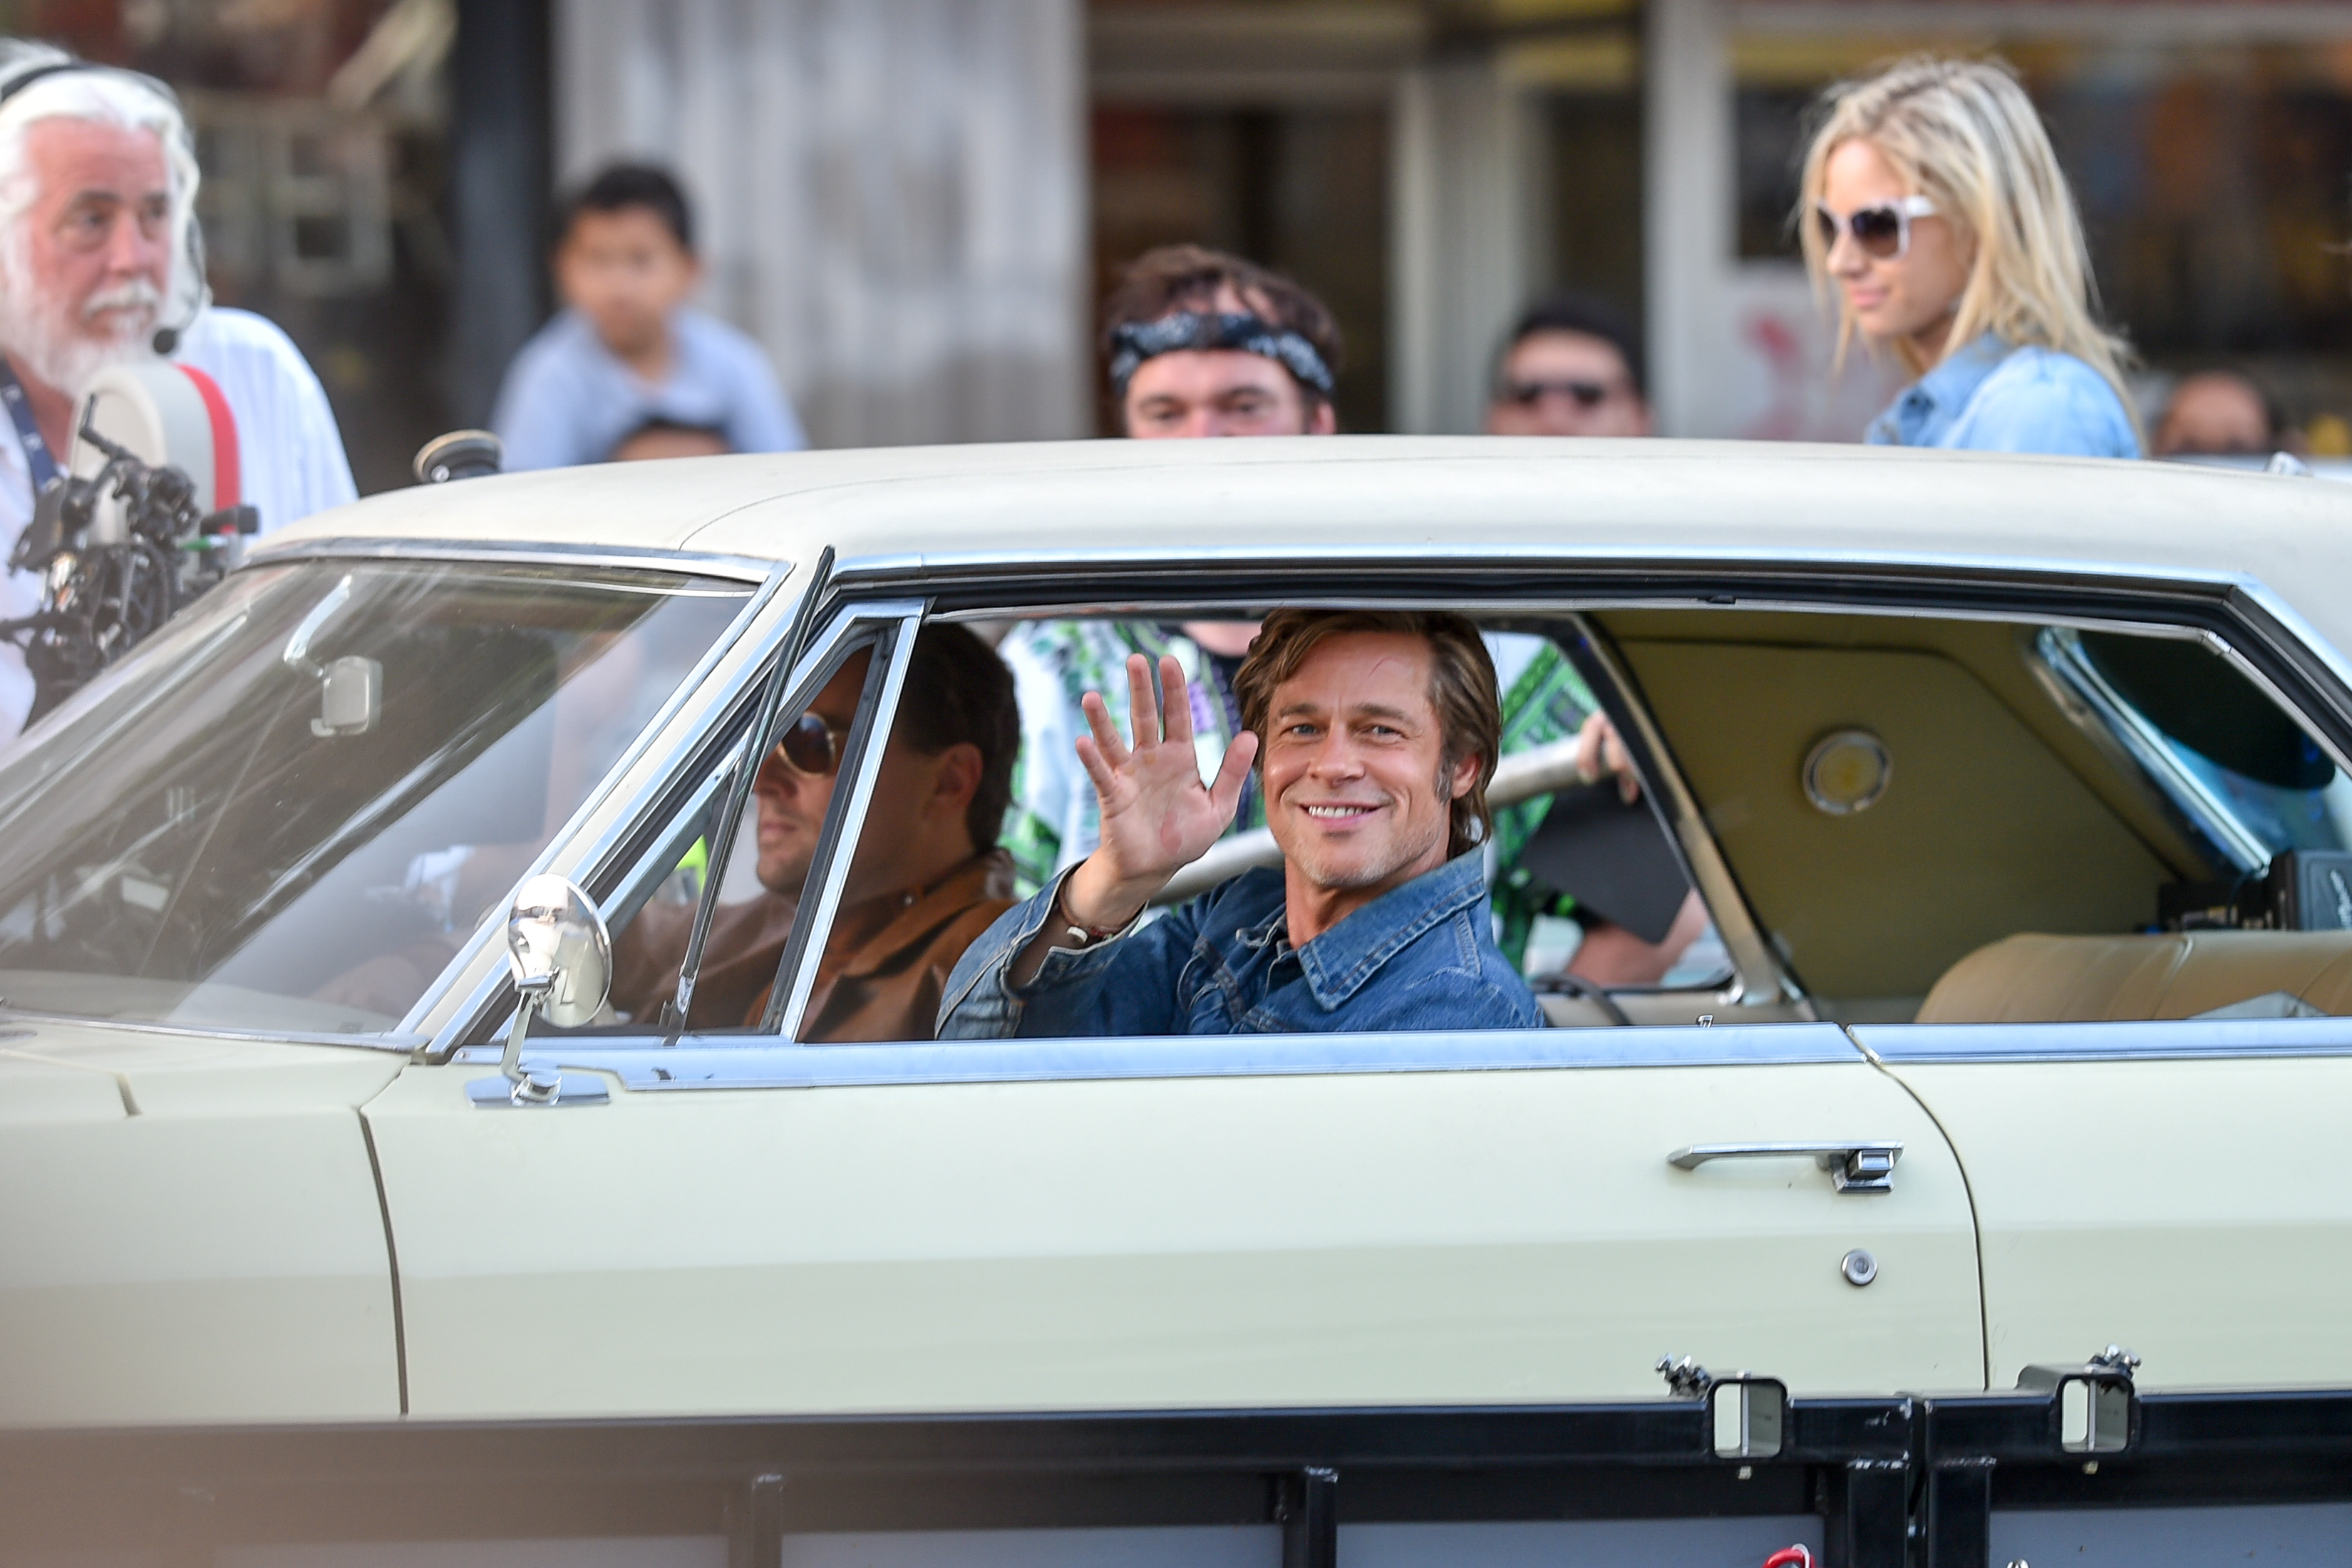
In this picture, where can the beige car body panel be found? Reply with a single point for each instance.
(2193, 1211)
(193, 1233)
(1332, 1238)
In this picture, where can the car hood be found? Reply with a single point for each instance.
(59, 1069)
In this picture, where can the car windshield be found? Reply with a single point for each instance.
(289, 811)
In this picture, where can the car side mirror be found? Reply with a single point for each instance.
(561, 956)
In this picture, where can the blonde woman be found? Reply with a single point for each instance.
(1933, 202)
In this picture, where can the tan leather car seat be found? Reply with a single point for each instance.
(2033, 979)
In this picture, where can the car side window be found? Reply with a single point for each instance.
(980, 800)
(1980, 821)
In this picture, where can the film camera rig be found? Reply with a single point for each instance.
(120, 552)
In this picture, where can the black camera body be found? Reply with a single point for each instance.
(111, 579)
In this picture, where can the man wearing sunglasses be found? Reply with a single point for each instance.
(1571, 367)
(927, 878)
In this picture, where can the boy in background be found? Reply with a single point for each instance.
(626, 350)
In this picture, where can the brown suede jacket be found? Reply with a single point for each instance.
(886, 963)
(884, 970)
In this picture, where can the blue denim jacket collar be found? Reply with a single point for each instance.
(1923, 410)
(1341, 960)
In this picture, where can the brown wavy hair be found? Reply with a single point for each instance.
(1461, 687)
(958, 692)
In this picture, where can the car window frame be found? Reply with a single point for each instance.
(1756, 973)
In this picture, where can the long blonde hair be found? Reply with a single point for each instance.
(1963, 135)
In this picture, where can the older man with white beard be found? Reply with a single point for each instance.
(98, 268)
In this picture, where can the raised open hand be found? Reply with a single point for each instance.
(1158, 817)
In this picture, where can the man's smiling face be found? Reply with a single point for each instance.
(1357, 793)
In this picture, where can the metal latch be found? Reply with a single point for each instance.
(2095, 1405)
(1863, 1166)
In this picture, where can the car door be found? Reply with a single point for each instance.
(2078, 871)
(739, 1223)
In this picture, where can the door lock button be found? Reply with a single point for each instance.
(1858, 1267)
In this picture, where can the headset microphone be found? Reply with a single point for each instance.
(167, 339)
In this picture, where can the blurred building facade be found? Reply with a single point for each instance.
(916, 205)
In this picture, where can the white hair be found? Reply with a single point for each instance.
(107, 97)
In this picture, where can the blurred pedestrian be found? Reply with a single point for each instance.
(658, 438)
(1572, 367)
(626, 348)
(2218, 414)
(1932, 201)
(1203, 344)
(101, 265)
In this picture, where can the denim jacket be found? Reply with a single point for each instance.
(1422, 956)
(1989, 397)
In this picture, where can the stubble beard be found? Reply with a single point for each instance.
(1351, 877)
(60, 343)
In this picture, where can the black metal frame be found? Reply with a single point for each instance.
(1903, 1482)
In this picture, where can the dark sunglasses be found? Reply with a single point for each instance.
(1587, 393)
(1882, 230)
(810, 744)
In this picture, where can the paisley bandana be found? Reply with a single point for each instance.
(1136, 342)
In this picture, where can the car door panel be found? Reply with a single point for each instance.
(1289, 1222)
(2172, 1187)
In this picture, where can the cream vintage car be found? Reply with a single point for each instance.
(1979, 1180)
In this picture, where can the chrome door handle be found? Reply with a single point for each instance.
(1864, 1165)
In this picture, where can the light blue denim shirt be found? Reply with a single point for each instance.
(1989, 397)
(1422, 956)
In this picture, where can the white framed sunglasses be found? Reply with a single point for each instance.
(1881, 229)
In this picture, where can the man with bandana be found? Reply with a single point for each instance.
(98, 267)
(1200, 343)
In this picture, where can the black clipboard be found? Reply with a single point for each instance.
(1612, 857)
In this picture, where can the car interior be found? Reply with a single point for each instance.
(1886, 818)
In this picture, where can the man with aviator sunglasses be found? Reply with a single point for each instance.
(927, 878)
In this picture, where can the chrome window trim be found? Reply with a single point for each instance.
(588, 863)
(2058, 661)
(2148, 1039)
(928, 567)
(684, 563)
(839, 851)
(643, 1065)
(398, 1043)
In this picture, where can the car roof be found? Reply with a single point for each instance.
(1403, 496)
